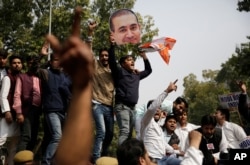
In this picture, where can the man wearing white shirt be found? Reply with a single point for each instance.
(8, 126)
(170, 107)
(213, 140)
(233, 132)
(152, 132)
(133, 152)
(183, 128)
(3, 72)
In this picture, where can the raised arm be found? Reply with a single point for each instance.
(243, 105)
(91, 28)
(155, 105)
(112, 60)
(193, 155)
(148, 69)
(76, 59)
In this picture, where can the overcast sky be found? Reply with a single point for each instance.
(207, 33)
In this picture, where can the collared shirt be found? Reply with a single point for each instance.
(182, 133)
(234, 134)
(152, 133)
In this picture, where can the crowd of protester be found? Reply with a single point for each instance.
(79, 88)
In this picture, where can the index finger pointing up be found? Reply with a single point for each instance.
(77, 22)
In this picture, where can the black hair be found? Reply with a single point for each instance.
(52, 56)
(34, 62)
(224, 111)
(170, 116)
(14, 56)
(103, 49)
(130, 151)
(208, 120)
(3, 53)
(119, 13)
(180, 100)
(123, 58)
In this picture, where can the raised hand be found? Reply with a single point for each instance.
(76, 59)
(242, 86)
(74, 54)
(171, 87)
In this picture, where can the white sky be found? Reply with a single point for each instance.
(207, 33)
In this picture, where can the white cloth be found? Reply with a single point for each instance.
(5, 107)
(166, 105)
(223, 146)
(3, 73)
(152, 133)
(139, 112)
(182, 133)
(234, 134)
(192, 156)
(6, 130)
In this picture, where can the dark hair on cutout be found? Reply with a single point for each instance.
(130, 151)
(117, 13)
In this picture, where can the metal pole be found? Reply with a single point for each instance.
(50, 17)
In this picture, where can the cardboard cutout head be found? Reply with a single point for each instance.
(124, 27)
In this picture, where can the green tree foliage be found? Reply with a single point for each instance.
(236, 68)
(244, 5)
(16, 22)
(24, 25)
(202, 96)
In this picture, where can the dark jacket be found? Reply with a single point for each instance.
(52, 81)
(243, 107)
(126, 83)
(174, 139)
(215, 140)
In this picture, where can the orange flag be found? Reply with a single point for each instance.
(162, 45)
